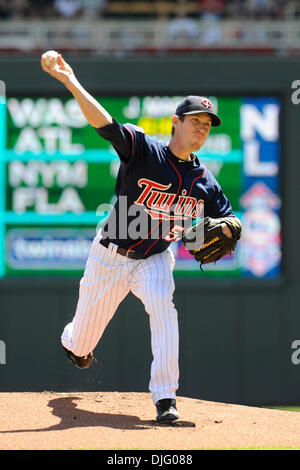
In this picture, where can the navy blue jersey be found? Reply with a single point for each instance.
(157, 193)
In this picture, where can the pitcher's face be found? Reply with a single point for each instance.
(193, 131)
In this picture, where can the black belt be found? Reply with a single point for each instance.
(122, 251)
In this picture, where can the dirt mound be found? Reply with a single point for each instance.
(114, 420)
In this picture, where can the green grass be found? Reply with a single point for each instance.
(284, 408)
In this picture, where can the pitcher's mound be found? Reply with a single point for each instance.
(113, 420)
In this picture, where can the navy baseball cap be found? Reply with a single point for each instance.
(198, 104)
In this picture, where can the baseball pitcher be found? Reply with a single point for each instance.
(171, 190)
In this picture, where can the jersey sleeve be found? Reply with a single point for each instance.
(125, 138)
(218, 204)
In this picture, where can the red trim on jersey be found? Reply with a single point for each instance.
(169, 230)
(132, 136)
(175, 198)
(195, 180)
(133, 246)
(179, 187)
(178, 177)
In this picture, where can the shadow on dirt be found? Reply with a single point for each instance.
(71, 416)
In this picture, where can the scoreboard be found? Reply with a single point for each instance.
(58, 179)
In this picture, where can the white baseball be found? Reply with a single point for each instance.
(49, 56)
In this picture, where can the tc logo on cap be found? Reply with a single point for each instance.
(206, 103)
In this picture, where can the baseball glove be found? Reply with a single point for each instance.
(207, 242)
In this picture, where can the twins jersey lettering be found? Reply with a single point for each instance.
(159, 203)
(167, 191)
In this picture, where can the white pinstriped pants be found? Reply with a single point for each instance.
(108, 278)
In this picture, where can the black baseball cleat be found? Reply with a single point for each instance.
(83, 362)
(166, 411)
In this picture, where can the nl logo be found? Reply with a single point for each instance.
(2, 352)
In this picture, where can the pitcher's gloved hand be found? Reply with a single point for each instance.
(207, 242)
